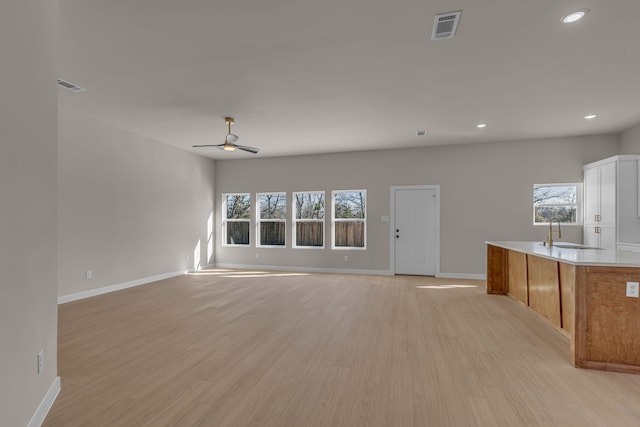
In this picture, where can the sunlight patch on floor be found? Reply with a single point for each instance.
(445, 286)
(243, 274)
(266, 275)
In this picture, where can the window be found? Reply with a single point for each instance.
(349, 229)
(556, 201)
(272, 217)
(237, 208)
(308, 219)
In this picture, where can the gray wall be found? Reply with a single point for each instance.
(486, 192)
(28, 309)
(130, 208)
(630, 141)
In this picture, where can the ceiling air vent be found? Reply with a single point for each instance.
(445, 25)
(70, 86)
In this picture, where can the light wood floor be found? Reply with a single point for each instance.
(229, 348)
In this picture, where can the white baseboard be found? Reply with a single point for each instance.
(304, 269)
(203, 267)
(46, 404)
(462, 276)
(339, 270)
(119, 286)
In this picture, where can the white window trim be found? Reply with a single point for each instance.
(225, 220)
(579, 197)
(259, 220)
(295, 220)
(334, 220)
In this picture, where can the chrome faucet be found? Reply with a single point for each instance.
(550, 236)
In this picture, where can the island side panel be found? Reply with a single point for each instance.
(544, 288)
(517, 276)
(579, 336)
(567, 281)
(612, 318)
(496, 270)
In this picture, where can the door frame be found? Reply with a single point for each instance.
(392, 223)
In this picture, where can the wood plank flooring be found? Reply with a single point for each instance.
(245, 348)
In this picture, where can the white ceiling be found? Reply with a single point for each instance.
(303, 76)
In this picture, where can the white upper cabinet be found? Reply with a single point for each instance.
(611, 202)
(608, 193)
(591, 195)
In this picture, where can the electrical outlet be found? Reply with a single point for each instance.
(89, 274)
(40, 361)
(346, 258)
(632, 289)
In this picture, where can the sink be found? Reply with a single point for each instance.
(573, 246)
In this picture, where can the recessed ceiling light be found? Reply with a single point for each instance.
(590, 116)
(421, 133)
(574, 16)
(481, 125)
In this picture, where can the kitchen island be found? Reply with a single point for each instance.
(579, 291)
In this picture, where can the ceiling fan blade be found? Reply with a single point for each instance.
(208, 145)
(232, 138)
(249, 149)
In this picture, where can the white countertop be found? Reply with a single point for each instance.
(574, 256)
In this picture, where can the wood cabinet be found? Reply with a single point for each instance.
(587, 303)
(611, 202)
(544, 288)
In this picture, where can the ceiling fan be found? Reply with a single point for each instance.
(229, 141)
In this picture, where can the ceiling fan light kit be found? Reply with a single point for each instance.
(229, 141)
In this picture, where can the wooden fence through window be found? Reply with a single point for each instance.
(350, 234)
(311, 234)
(272, 233)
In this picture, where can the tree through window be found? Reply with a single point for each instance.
(272, 217)
(556, 202)
(308, 219)
(349, 219)
(237, 217)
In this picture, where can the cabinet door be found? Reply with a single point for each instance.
(608, 193)
(591, 195)
(608, 237)
(591, 238)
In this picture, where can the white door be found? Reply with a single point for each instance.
(415, 231)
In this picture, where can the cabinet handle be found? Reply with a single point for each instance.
(598, 218)
(597, 230)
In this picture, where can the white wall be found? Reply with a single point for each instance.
(130, 208)
(630, 141)
(486, 192)
(28, 308)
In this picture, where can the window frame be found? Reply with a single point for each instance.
(578, 203)
(226, 220)
(335, 220)
(295, 220)
(259, 219)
